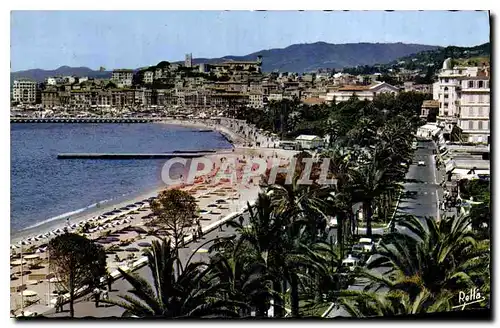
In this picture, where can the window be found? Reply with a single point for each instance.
(480, 84)
(480, 125)
(471, 84)
(445, 105)
(487, 125)
(445, 89)
(471, 125)
(446, 96)
(446, 80)
(480, 111)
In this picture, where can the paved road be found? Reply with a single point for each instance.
(84, 308)
(421, 183)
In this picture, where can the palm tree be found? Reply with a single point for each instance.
(369, 182)
(362, 304)
(245, 280)
(189, 294)
(340, 202)
(430, 255)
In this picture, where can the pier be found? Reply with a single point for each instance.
(183, 154)
(87, 119)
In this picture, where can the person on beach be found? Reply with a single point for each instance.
(59, 303)
(105, 295)
(193, 233)
(97, 295)
(109, 281)
(200, 231)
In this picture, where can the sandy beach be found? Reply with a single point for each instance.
(125, 234)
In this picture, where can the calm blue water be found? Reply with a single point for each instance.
(43, 187)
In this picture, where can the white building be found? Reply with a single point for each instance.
(122, 77)
(362, 92)
(309, 141)
(463, 94)
(24, 91)
(51, 81)
(447, 91)
(148, 77)
(474, 118)
(275, 96)
(256, 100)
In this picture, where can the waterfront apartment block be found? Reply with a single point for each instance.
(24, 91)
(463, 94)
(474, 117)
(122, 77)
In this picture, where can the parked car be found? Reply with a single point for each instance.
(421, 163)
(350, 262)
(367, 244)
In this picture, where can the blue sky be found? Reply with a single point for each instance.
(129, 39)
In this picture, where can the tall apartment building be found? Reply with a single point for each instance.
(24, 91)
(148, 77)
(463, 94)
(122, 77)
(188, 62)
(474, 118)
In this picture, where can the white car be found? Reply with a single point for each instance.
(421, 163)
(350, 262)
(367, 243)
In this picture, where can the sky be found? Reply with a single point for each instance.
(131, 39)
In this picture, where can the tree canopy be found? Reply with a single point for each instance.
(77, 262)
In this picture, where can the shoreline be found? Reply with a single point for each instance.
(93, 210)
(117, 202)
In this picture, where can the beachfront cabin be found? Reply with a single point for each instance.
(309, 141)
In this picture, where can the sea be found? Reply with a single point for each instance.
(45, 189)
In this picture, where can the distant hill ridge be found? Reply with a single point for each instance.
(295, 58)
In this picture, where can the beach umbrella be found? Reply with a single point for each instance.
(221, 201)
(132, 249)
(28, 293)
(74, 226)
(31, 256)
(54, 280)
(112, 239)
(40, 236)
(40, 250)
(24, 242)
(13, 246)
(144, 244)
(100, 228)
(18, 262)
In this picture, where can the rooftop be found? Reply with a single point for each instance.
(307, 137)
(313, 101)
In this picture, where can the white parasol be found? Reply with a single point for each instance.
(28, 293)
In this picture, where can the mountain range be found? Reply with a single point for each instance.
(295, 58)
